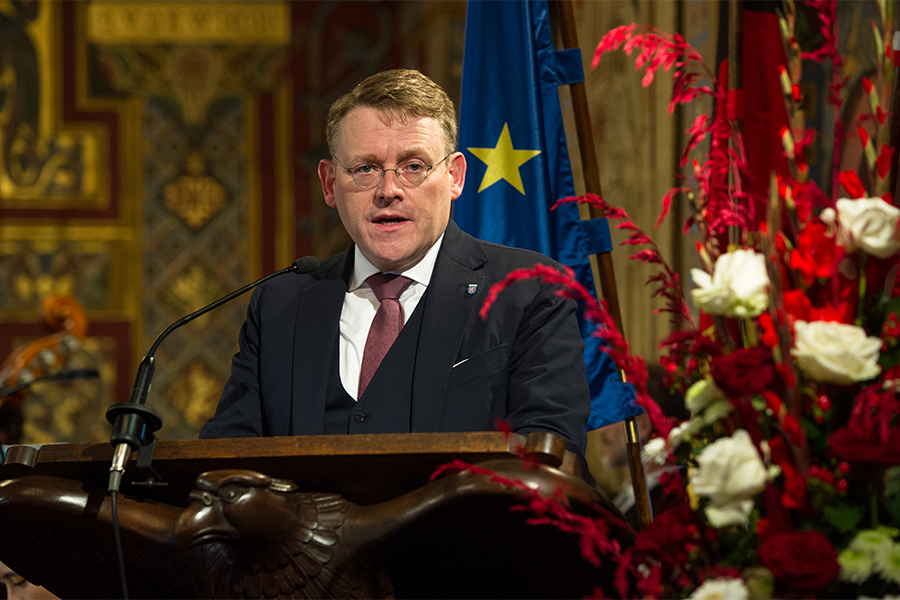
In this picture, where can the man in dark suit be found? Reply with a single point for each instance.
(304, 365)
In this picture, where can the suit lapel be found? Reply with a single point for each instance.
(316, 335)
(449, 306)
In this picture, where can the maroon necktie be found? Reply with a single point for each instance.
(387, 323)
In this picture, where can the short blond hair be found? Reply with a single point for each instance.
(399, 93)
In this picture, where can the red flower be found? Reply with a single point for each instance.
(807, 196)
(801, 560)
(883, 162)
(830, 303)
(778, 517)
(816, 254)
(860, 444)
(798, 305)
(769, 332)
(853, 184)
(745, 372)
(794, 495)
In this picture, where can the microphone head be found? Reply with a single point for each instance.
(307, 264)
(77, 374)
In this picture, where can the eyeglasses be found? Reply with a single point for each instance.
(412, 173)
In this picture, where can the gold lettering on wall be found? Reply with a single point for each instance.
(193, 22)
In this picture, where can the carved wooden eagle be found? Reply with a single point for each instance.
(262, 539)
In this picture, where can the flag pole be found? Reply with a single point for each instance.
(894, 123)
(607, 275)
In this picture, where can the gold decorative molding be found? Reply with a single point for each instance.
(45, 163)
(111, 22)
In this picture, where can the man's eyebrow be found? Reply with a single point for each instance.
(404, 156)
(412, 153)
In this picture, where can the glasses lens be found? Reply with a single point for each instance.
(412, 173)
(367, 175)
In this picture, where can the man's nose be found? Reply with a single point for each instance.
(390, 185)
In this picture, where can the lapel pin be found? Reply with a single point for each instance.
(473, 287)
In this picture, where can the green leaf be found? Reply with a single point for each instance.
(892, 495)
(816, 439)
(889, 360)
(842, 517)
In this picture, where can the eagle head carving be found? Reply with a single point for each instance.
(233, 505)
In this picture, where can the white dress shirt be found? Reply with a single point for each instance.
(360, 305)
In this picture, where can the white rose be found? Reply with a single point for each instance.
(869, 224)
(717, 411)
(655, 452)
(737, 288)
(835, 353)
(716, 589)
(684, 430)
(730, 473)
(707, 403)
(701, 394)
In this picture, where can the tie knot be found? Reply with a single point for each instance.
(388, 285)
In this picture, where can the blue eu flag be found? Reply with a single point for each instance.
(512, 134)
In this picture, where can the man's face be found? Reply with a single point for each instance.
(19, 589)
(393, 226)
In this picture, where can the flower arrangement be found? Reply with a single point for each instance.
(792, 373)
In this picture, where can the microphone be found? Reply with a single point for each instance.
(133, 422)
(58, 376)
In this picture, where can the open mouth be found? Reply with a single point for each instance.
(390, 221)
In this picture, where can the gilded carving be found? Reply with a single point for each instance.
(194, 394)
(38, 159)
(195, 197)
(32, 269)
(194, 289)
(191, 75)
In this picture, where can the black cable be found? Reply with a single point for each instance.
(119, 554)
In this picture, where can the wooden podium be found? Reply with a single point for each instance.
(299, 517)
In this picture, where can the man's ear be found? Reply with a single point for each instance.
(457, 170)
(326, 176)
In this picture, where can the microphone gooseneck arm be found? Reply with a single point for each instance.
(132, 420)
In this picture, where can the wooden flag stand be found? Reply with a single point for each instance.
(607, 276)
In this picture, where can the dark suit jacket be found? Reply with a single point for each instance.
(523, 364)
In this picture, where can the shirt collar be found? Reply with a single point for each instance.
(419, 273)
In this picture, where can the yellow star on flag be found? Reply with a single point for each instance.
(503, 162)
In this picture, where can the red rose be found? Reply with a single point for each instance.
(800, 560)
(745, 372)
